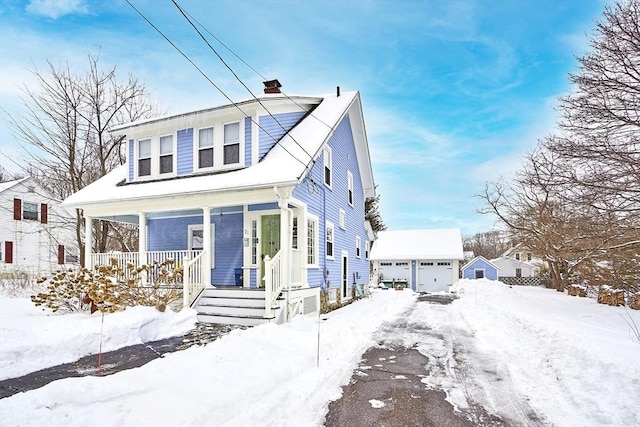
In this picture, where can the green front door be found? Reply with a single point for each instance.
(269, 239)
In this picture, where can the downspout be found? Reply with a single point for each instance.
(289, 240)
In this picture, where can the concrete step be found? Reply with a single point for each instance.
(231, 310)
(234, 320)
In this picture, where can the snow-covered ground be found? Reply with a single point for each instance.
(568, 359)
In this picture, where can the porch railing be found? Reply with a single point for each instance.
(192, 279)
(273, 283)
(193, 282)
(296, 267)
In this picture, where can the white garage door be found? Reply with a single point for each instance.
(395, 270)
(434, 276)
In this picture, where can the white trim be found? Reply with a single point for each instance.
(358, 247)
(239, 143)
(343, 219)
(327, 154)
(350, 187)
(196, 149)
(344, 255)
(316, 236)
(329, 225)
(137, 158)
(195, 227)
(174, 154)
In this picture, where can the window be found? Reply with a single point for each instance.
(343, 219)
(294, 233)
(366, 249)
(329, 240)
(205, 148)
(70, 258)
(386, 264)
(312, 241)
(166, 154)
(144, 157)
(30, 211)
(196, 240)
(327, 166)
(358, 243)
(231, 143)
(425, 264)
(528, 256)
(479, 273)
(254, 242)
(350, 188)
(518, 272)
(518, 256)
(444, 263)
(402, 264)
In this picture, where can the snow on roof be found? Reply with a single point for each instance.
(7, 185)
(418, 244)
(480, 257)
(285, 163)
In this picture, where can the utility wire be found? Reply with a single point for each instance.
(211, 81)
(238, 78)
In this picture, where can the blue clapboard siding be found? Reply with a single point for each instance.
(131, 148)
(490, 272)
(247, 141)
(263, 206)
(172, 234)
(271, 131)
(325, 203)
(185, 151)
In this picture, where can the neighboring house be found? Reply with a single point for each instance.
(520, 252)
(510, 267)
(265, 194)
(480, 268)
(36, 233)
(427, 260)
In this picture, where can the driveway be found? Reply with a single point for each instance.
(396, 383)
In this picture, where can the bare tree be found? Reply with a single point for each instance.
(489, 244)
(65, 130)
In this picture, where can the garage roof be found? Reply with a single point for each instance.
(445, 244)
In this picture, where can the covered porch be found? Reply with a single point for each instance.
(228, 242)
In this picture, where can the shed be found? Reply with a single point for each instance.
(424, 260)
(480, 268)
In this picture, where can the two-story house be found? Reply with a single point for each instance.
(36, 234)
(261, 202)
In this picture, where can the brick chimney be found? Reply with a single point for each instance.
(272, 86)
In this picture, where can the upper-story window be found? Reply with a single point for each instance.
(144, 157)
(231, 143)
(205, 148)
(358, 246)
(350, 188)
(166, 154)
(518, 256)
(329, 240)
(312, 240)
(328, 166)
(343, 219)
(30, 211)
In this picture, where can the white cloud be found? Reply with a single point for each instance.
(57, 8)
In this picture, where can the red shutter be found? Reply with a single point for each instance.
(60, 254)
(8, 252)
(43, 213)
(17, 209)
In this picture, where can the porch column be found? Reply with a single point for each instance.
(142, 238)
(206, 245)
(303, 235)
(285, 241)
(88, 241)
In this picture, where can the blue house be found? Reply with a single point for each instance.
(261, 203)
(480, 268)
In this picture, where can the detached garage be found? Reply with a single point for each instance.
(427, 260)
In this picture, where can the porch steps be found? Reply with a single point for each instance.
(235, 306)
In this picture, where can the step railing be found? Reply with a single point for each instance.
(193, 279)
(273, 283)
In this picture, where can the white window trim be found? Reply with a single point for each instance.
(343, 219)
(327, 154)
(350, 188)
(329, 225)
(240, 146)
(174, 154)
(196, 149)
(358, 247)
(193, 227)
(316, 237)
(137, 158)
(366, 249)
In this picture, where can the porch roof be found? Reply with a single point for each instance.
(284, 165)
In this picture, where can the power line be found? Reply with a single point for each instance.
(211, 81)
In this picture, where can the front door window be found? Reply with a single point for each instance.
(270, 240)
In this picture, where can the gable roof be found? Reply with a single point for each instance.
(4, 186)
(480, 257)
(445, 244)
(285, 164)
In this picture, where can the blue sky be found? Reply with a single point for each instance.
(454, 92)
